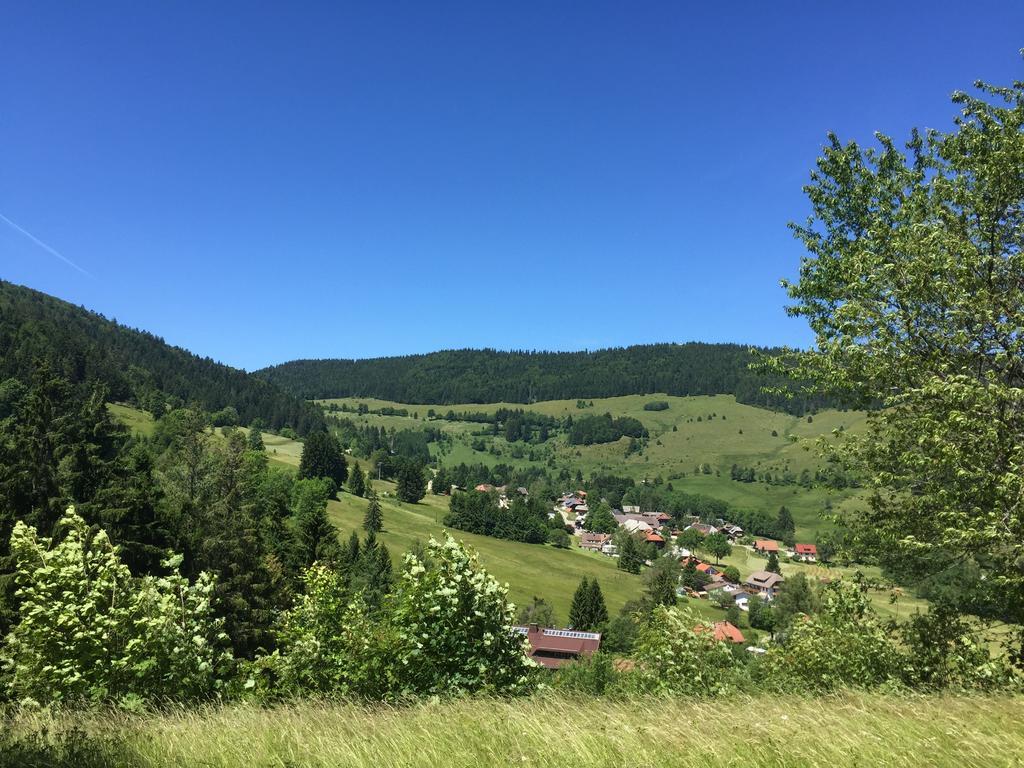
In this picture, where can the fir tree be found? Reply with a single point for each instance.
(322, 457)
(598, 609)
(256, 439)
(579, 612)
(773, 563)
(412, 485)
(357, 481)
(373, 520)
(630, 559)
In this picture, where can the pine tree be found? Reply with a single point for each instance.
(785, 525)
(630, 559)
(357, 481)
(128, 511)
(598, 609)
(773, 563)
(322, 457)
(412, 484)
(348, 558)
(579, 612)
(256, 439)
(316, 537)
(373, 520)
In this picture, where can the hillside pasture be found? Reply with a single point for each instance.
(726, 433)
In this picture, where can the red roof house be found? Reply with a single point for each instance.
(766, 545)
(807, 551)
(554, 648)
(725, 632)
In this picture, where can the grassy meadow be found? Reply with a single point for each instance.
(851, 729)
(535, 570)
(728, 432)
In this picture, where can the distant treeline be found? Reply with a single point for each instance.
(490, 376)
(135, 366)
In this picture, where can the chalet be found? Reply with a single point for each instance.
(806, 552)
(484, 488)
(581, 510)
(763, 583)
(649, 520)
(594, 541)
(553, 648)
(655, 539)
(631, 510)
(703, 528)
(732, 532)
(633, 523)
(766, 546)
(725, 632)
(707, 569)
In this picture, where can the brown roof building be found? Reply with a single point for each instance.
(555, 647)
(725, 632)
(594, 541)
(766, 545)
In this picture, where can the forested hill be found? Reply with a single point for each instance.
(136, 366)
(489, 376)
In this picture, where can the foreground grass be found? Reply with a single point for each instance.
(846, 730)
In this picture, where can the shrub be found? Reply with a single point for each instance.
(673, 658)
(656, 405)
(90, 631)
(844, 645)
(445, 631)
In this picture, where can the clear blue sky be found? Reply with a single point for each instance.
(261, 182)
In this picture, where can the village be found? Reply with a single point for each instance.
(699, 579)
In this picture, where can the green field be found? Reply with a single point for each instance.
(847, 730)
(529, 569)
(728, 433)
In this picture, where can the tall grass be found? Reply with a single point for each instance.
(549, 730)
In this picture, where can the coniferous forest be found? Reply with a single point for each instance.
(135, 366)
(492, 376)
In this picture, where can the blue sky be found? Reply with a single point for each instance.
(262, 182)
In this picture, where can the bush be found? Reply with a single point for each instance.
(445, 631)
(656, 405)
(675, 659)
(845, 645)
(89, 631)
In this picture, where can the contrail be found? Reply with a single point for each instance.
(45, 247)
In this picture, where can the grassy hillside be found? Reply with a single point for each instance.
(728, 432)
(544, 571)
(529, 569)
(761, 732)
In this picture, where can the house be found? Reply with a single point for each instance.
(707, 569)
(732, 532)
(581, 510)
(594, 541)
(632, 523)
(806, 552)
(742, 600)
(649, 521)
(766, 546)
(484, 488)
(655, 539)
(725, 632)
(555, 647)
(703, 528)
(631, 510)
(763, 583)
